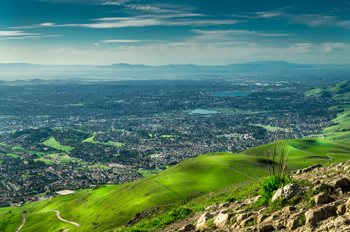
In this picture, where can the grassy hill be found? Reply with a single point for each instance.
(340, 91)
(112, 206)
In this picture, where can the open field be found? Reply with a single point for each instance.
(91, 140)
(51, 142)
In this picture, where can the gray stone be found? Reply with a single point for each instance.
(286, 192)
(286, 211)
(308, 169)
(211, 207)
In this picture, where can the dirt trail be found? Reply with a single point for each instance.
(170, 190)
(57, 214)
(235, 169)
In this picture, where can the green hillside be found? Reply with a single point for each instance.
(112, 206)
(340, 91)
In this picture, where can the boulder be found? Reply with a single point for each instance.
(341, 210)
(203, 219)
(187, 227)
(222, 219)
(341, 182)
(286, 211)
(286, 192)
(261, 218)
(315, 215)
(265, 228)
(308, 169)
(293, 221)
(322, 198)
(243, 216)
(211, 207)
(245, 221)
(320, 187)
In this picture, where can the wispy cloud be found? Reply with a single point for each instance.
(20, 35)
(14, 33)
(144, 21)
(153, 9)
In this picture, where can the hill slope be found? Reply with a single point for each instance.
(112, 206)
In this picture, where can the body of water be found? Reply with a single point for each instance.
(201, 111)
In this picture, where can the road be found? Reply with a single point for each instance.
(57, 214)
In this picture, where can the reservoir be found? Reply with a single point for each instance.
(201, 111)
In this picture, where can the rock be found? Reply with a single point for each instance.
(341, 210)
(187, 227)
(293, 221)
(222, 219)
(286, 192)
(243, 216)
(278, 225)
(261, 218)
(253, 200)
(323, 198)
(265, 228)
(273, 217)
(320, 187)
(224, 205)
(211, 207)
(203, 219)
(286, 211)
(347, 205)
(341, 182)
(315, 215)
(245, 221)
(308, 169)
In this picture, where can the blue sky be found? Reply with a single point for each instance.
(203, 32)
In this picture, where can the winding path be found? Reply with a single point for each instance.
(330, 158)
(235, 169)
(57, 214)
(170, 190)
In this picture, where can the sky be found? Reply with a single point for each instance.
(154, 32)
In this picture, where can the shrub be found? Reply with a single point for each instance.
(270, 185)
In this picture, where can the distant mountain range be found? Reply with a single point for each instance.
(124, 71)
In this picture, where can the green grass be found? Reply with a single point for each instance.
(47, 161)
(112, 206)
(26, 176)
(3, 144)
(51, 142)
(305, 152)
(8, 116)
(101, 166)
(169, 136)
(340, 131)
(91, 140)
(148, 173)
(13, 155)
(31, 224)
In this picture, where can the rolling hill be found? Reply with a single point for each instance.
(110, 207)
